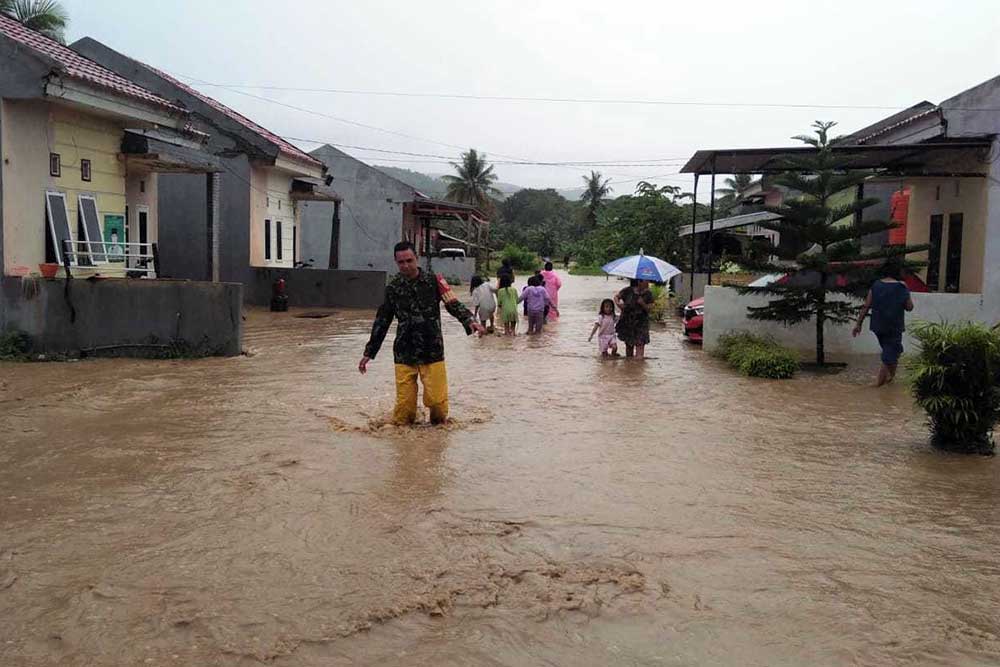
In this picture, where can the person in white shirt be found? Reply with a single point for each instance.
(484, 301)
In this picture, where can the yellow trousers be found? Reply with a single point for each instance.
(434, 377)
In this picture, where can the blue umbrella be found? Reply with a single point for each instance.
(641, 267)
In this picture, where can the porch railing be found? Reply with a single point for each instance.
(137, 260)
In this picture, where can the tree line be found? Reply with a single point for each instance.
(592, 230)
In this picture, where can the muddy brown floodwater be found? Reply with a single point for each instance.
(257, 510)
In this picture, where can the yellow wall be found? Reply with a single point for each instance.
(270, 200)
(80, 136)
(31, 130)
(970, 201)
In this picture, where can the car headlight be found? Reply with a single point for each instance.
(700, 310)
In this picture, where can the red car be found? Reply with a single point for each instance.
(694, 320)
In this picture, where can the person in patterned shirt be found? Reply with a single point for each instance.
(413, 298)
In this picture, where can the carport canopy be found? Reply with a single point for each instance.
(943, 158)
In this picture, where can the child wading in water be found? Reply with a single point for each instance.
(484, 303)
(536, 300)
(507, 296)
(604, 327)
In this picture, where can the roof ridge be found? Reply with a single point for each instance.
(283, 145)
(79, 67)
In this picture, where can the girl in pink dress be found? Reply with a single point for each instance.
(604, 327)
(552, 285)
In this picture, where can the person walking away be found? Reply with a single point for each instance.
(888, 300)
(508, 299)
(536, 299)
(553, 283)
(505, 270)
(484, 302)
(413, 297)
(633, 325)
(604, 327)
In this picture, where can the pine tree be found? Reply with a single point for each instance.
(822, 238)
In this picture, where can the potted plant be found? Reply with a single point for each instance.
(48, 269)
(955, 378)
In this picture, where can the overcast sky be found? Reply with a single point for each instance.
(848, 52)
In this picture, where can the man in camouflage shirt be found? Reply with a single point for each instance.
(413, 298)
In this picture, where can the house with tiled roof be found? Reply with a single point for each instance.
(258, 195)
(83, 149)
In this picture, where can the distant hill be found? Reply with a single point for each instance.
(429, 185)
(432, 185)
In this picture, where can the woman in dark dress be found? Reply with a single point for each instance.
(633, 325)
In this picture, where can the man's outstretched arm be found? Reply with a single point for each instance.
(380, 327)
(458, 310)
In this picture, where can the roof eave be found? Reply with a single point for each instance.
(97, 98)
(298, 166)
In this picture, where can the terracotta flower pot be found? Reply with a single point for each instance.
(48, 270)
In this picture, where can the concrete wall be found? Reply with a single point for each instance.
(726, 310)
(462, 268)
(322, 288)
(371, 215)
(183, 220)
(682, 286)
(110, 313)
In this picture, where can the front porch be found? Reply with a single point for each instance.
(939, 195)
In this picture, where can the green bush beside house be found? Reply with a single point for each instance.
(955, 377)
(756, 356)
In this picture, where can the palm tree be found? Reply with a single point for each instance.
(474, 182)
(596, 188)
(45, 16)
(736, 186)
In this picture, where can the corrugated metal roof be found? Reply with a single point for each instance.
(284, 147)
(74, 66)
(729, 223)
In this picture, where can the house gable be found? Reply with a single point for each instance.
(244, 135)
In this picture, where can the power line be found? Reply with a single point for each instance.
(569, 100)
(356, 123)
(582, 100)
(638, 162)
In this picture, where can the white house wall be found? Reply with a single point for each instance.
(26, 136)
(142, 189)
(944, 196)
(726, 311)
(269, 193)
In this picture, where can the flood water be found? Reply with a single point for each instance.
(257, 510)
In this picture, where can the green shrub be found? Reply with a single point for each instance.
(14, 345)
(521, 259)
(586, 270)
(757, 356)
(955, 378)
(663, 302)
